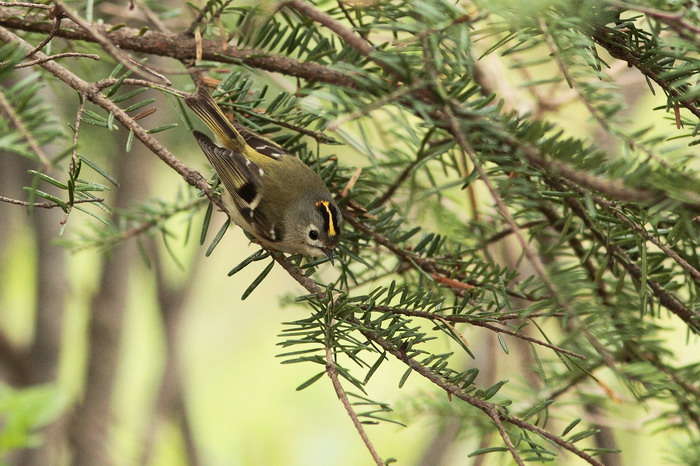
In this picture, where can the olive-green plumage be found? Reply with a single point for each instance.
(269, 192)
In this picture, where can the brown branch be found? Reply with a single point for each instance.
(182, 47)
(332, 372)
(610, 188)
(486, 407)
(493, 414)
(489, 408)
(423, 264)
(449, 387)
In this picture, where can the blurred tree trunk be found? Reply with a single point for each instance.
(170, 403)
(39, 362)
(91, 421)
(45, 351)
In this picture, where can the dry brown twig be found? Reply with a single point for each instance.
(57, 56)
(40, 6)
(47, 204)
(332, 372)
(673, 19)
(468, 319)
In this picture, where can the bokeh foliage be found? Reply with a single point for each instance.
(602, 272)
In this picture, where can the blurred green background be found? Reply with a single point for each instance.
(241, 404)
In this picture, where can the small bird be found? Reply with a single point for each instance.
(268, 192)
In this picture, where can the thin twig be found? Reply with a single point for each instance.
(348, 36)
(40, 6)
(57, 18)
(147, 69)
(140, 228)
(493, 414)
(58, 55)
(74, 159)
(509, 231)
(332, 372)
(48, 204)
(351, 183)
(424, 264)
(105, 83)
(403, 176)
(456, 318)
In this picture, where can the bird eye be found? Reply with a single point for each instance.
(313, 234)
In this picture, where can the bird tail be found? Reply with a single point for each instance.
(204, 106)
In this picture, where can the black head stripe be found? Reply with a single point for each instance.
(330, 217)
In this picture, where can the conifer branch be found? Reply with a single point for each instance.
(9, 111)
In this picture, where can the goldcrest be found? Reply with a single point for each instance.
(268, 192)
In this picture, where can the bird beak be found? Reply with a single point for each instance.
(329, 253)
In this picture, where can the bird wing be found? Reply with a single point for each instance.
(242, 178)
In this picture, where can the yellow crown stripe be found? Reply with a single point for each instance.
(331, 226)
